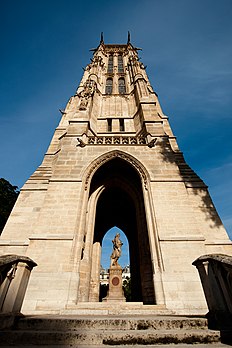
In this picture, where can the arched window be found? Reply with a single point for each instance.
(110, 64)
(121, 86)
(120, 64)
(109, 86)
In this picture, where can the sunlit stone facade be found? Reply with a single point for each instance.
(114, 161)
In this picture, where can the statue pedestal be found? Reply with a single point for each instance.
(115, 292)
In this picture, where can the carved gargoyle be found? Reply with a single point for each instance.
(82, 140)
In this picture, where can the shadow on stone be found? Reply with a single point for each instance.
(191, 180)
(215, 272)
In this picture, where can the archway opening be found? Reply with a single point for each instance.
(121, 204)
(107, 248)
(124, 262)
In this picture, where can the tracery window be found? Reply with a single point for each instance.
(109, 86)
(120, 64)
(110, 64)
(121, 85)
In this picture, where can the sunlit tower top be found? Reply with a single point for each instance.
(115, 97)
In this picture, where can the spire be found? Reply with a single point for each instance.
(128, 38)
(102, 40)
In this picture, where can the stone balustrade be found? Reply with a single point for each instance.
(147, 140)
(116, 140)
(215, 272)
(14, 276)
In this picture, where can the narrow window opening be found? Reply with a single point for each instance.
(110, 64)
(120, 64)
(121, 86)
(109, 86)
(109, 121)
(121, 125)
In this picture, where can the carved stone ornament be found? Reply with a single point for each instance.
(115, 49)
(97, 60)
(146, 140)
(82, 141)
(87, 92)
(119, 154)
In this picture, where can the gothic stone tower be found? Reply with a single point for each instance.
(114, 161)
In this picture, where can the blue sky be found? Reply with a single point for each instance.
(107, 248)
(187, 47)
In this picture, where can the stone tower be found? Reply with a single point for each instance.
(114, 161)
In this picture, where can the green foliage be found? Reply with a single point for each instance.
(103, 291)
(127, 288)
(8, 196)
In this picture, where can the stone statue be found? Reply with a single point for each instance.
(86, 93)
(115, 292)
(117, 244)
(83, 103)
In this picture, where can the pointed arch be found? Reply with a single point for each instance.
(93, 77)
(121, 85)
(116, 191)
(136, 164)
(109, 85)
(120, 203)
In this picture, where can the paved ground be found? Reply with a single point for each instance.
(212, 345)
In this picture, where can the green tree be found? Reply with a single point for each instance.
(8, 196)
(127, 288)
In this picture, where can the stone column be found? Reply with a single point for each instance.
(95, 273)
(115, 125)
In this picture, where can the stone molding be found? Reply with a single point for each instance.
(51, 237)
(7, 242)
(182, 238)
(115, 140)
(109, 156)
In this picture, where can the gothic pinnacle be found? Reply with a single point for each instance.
(102, 40)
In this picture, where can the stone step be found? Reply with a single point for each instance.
(107, 309)
(78, 331)
(106, 337)
(110, 323)
(171, 345)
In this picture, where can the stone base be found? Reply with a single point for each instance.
(114, 299)
(115, 292)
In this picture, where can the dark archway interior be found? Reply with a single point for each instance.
(121, 204)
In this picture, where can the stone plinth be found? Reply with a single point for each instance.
(15, 271)
(115, 292)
